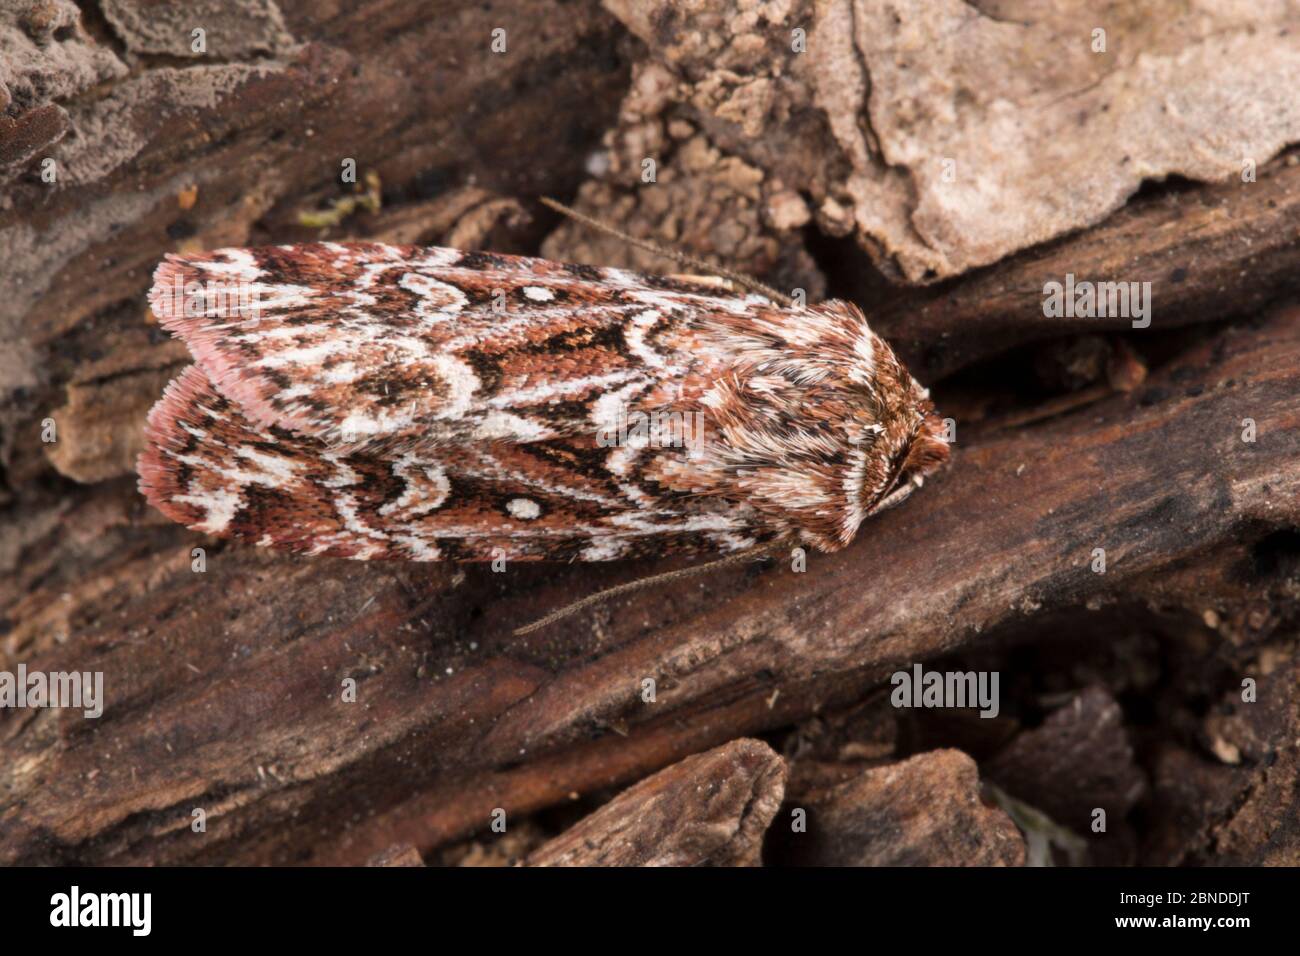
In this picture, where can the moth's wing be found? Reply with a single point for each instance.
(378, 347)
(209, 467)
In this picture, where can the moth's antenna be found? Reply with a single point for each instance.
(686, 259)
(570, 609)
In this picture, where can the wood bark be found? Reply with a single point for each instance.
(227, 695)
(229, 680)
(710, 809)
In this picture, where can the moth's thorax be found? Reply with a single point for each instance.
(810, 418)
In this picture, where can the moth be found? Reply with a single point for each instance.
(372, 401)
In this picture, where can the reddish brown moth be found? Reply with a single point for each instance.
(374, 401)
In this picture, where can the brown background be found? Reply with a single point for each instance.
(1120, 691)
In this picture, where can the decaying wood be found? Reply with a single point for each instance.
(711, 809)
(1242, 806)
(925, 811)
(1080, 759)
(227, 695)
(397, 856)
(1209, 253)
(945, 135)
(229, 682)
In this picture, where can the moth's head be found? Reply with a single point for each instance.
(915, 443)
(910, 438)
(928, 451)
(822, 419)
